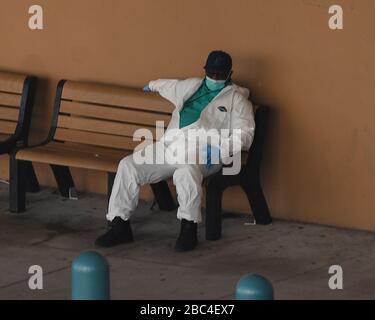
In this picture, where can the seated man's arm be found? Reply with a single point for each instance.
(242, 117)
(167, 88)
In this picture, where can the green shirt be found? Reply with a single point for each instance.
(194, 106)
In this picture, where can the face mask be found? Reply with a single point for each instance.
(215, 85)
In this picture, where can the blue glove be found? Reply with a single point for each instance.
(146, 89)
(213, 153)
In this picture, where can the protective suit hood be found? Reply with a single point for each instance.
(241, 90)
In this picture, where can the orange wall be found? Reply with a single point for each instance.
(319, 165)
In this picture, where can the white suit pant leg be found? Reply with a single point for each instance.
(188, 181)
(129, 178)
(125, 191)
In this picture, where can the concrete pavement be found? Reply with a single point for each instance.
(294, 256)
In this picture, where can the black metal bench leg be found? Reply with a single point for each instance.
(63, 178)
(32, 184)
(17, 185)
(163, 196)
(258, 203)
(110, 181)
(213, 222)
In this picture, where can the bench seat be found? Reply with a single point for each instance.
(75, 155)
(78, 155)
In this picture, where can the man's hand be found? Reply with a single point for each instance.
(213, 156)
(147, 89)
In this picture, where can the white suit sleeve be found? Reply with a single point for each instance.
(242, 129)
(167, 88)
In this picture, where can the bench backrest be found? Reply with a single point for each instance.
(106, 116)
(16, 100)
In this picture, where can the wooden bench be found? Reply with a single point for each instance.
(16, 102)
(92, 128)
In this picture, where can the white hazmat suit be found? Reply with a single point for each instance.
(230, 109)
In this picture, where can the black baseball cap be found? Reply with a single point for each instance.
(218, 61)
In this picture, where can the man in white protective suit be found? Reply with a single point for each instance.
(213, 104)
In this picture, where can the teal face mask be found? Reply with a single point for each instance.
(215, 85)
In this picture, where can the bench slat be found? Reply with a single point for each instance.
(85, 148)
(110, 113)
(99, 126)
(115, 96)
(78, 159)
(98, 139)
(11, 100)
(9, 114)
(96, 150)
(8, 127)
(10, 82)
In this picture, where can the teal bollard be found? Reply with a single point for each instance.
(90, 277)
(254, 287)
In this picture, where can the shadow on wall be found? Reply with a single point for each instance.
(42, 112)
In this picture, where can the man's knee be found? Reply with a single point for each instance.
(127, 167)
(125, 162)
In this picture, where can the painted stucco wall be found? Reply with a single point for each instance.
(319, 163)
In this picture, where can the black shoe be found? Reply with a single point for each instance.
(120, 232)
(187, 240)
